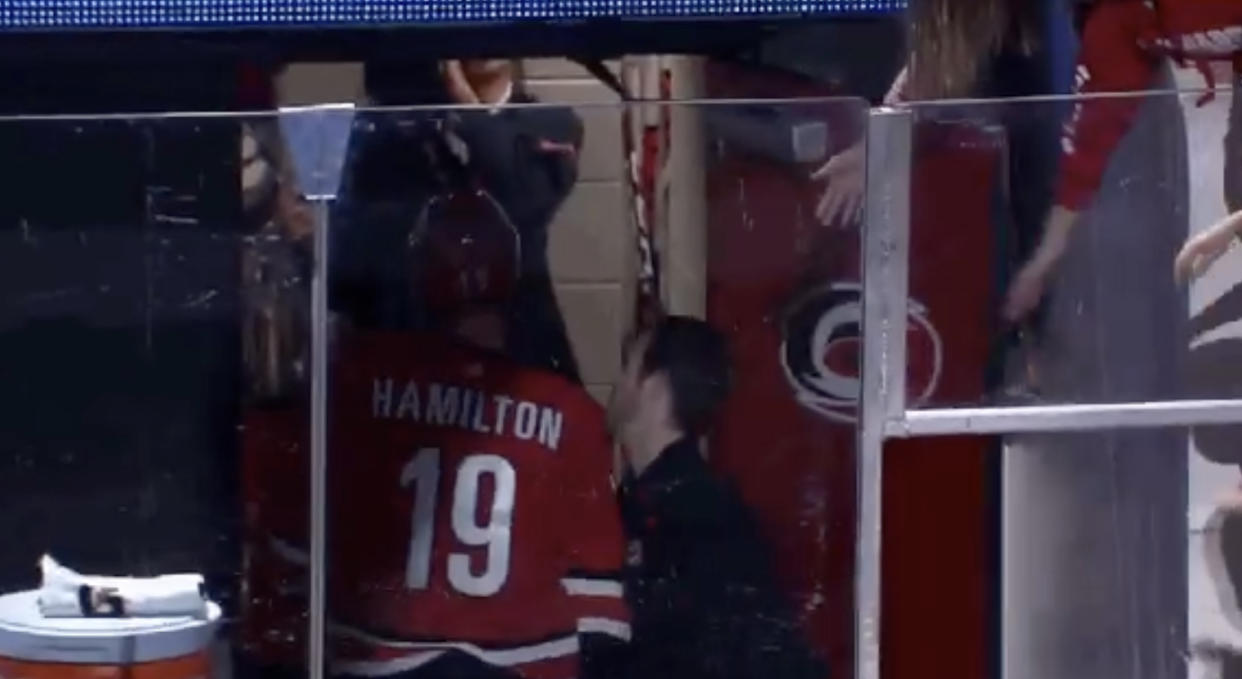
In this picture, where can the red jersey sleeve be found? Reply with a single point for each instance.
(593, 542)
(1111, 60)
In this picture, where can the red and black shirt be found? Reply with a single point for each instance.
(1123, 44)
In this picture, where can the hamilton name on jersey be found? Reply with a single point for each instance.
(467, 409)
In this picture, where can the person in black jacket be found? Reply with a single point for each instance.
(525, 157)
(697, 577)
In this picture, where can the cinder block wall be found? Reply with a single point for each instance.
(591, 246)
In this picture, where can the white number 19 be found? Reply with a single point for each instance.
(424, 473)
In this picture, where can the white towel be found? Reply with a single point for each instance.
(68, 594)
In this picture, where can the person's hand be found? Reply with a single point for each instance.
(1201, 250)
(1230, 501)
(456, 83)
(1029, 285)
(293, 214)
(1026, 290)
(897, 91)
(845, 176)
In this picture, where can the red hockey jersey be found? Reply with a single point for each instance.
(1122, 46)
(470, 509)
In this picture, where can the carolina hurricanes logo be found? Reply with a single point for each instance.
(821, 350)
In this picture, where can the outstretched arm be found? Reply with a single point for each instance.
(1206, 247)
(1112, 67)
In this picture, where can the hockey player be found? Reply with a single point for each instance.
(472, 527)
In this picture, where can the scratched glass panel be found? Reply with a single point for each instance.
(492, 275)
(1099, 576)
(153, 336)
(1072, 214)
(1117, 545)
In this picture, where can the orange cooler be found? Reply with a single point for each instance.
(35, 647)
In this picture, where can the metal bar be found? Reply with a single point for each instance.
(884, 267)
(1072, 417)
(895, 282)
(319, 446)
(316, 139)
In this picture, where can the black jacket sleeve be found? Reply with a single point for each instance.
(749, 630)
(714, 609)
(527, 158)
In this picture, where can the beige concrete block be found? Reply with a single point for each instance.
(593, 316)
(600, 392)
(685, 239)
(576, 91)
(303, 84)
(602, 157)
(546, 69)
(588, 236)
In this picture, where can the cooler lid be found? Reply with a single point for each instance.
(26, 635)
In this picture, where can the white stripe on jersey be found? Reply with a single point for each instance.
(589, 587)
(518, 655)
(383, 668)
(613, 628)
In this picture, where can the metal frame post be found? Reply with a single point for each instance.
(1067, 417)
(317, 138)
(885, 274)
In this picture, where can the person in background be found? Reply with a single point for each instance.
(524, 157)
(1205, 248)
(499, 551)
(1116, 330)
(1124, 44)
(991, 49)
(969, 49)
(1214, 362)
(702, 594)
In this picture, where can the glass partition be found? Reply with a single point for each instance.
(1066, 282)
(363, 372)
(498, 281)
(1099, 574)
(1054, 226)
(154, 342)
(577, 390)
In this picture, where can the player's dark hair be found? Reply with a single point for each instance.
(694, 357)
